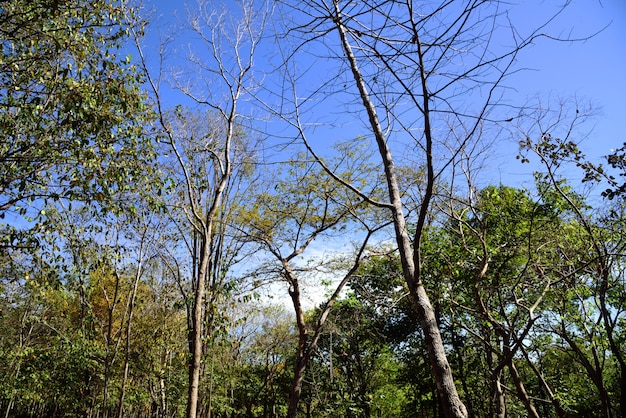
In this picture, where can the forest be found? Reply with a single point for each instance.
(281, 208)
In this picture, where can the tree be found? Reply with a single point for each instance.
(71, 109)
(210, 155)
(208, 177)
(87, 330)
(261, 343)
(553, 138)
(300, 209)
(503, 266)
(57, 321)
(362, 368)
(407, 65)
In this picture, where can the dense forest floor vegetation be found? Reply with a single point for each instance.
(207, 235)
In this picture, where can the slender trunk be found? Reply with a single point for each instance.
(195, 342)
(296, 387)
(13, 384)
(593, 371)
(120, 404)
(196, 354)
(450, 400)
(622, 397)
(7, 413)
(560, 412)
(306, 345)
(498, 400)
(111, 349)
(301, 358)
(105, 391)
(521, 391)
(162, 396)
(131, 305)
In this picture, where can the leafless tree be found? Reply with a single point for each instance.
(207, 147)
(419, 76)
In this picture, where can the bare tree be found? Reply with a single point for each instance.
(208, 147)
(424, 76)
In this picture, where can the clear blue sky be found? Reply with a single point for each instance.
(593, 70)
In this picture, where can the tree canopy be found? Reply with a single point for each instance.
(71, 106)
(283, 213)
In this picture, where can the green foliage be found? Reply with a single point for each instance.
(355, 371)
(71, 108)
(534, 279)
(616, 160)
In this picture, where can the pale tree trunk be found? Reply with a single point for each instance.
(162, 389)
(498, 399)
(226, 72)
(450, 401)
(195, 340)
(111, 347)
(409, 62)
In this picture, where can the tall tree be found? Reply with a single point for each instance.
(511, 244)
(359, 360)
(407, 65)
(301, 209)
(552, 138)
(209, 151)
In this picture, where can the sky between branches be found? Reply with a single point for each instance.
(592, 71)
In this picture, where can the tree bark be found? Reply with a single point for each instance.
(195, 333)
(521, 391)
(296, 387)
(450, 401)
(498, 401)
(622, 397)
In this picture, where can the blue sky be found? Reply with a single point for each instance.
(593, 70)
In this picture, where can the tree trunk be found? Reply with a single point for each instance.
(450, 400)
(296, 387)
(301, 357)
(129, 323)
(195, 340)
(521, 390)
(622, 396)
(162, 395)
(196, 354)
(498, 401)
(446, 388)
(560, 412)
